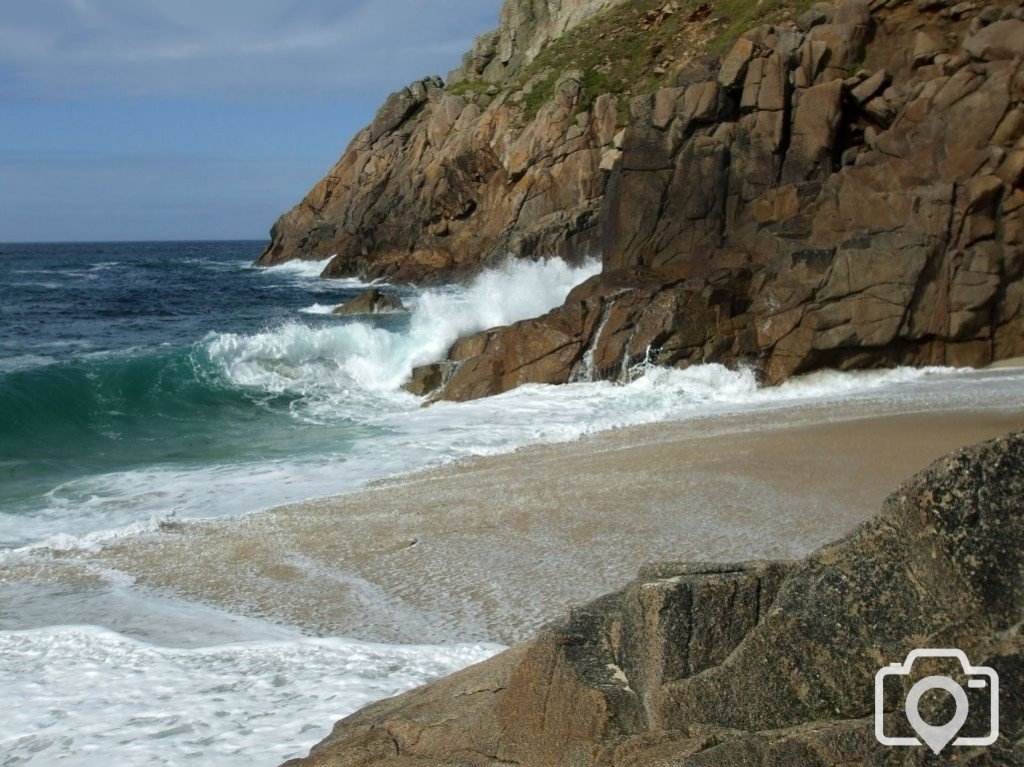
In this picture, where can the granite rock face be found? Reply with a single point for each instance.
(444, 181)
(756, 663)
(842, 189)
(526, 26)
(850, 195)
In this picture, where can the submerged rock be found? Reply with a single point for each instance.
(757, 663)
(372, 302)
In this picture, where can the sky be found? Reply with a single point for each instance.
(197, 119)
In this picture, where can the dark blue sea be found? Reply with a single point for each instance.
(143, 381)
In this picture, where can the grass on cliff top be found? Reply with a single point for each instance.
(632, 49)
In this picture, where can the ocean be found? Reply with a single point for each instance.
(142, 384)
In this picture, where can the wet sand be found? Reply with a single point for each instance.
(490, 548)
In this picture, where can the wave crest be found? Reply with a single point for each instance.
(360, 360)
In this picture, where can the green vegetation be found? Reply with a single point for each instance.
(635, 48)
(740, 15)
(469, 88)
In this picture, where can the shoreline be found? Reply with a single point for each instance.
(408, 579)
(490, 548)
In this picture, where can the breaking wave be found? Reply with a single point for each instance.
(235, 423)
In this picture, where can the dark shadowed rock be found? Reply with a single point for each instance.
(426, 379)
(844, 191)
(373, 301)
(755, 663)
(787, 216)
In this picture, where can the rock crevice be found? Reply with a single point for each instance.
(820, 198)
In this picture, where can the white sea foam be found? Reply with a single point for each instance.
(360, 356)
(86, 696)
(89, 696)
(318, 309)
(87, 513)
(297, 267)
(70, 274)
(347, 378)
(24, 362)
(308, 273)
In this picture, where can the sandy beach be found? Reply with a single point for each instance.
(490, 548)
(236, 622)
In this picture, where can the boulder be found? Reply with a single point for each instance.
(1001, 40)
(755, 663)
(426, 379)
(373, 301)
(734, 67)
(926, 48)
(396, 109)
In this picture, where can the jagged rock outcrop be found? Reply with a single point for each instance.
(526, 27)
(749, 664)
(841, 191)
(446, 180)
(373, 301)
(841, 188)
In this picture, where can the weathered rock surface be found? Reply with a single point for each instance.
(842, 190)
(757, 663)
(373, 301)
(443, 182)
(526, 27)
(821, 199)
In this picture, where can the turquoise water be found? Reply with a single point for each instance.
(144, 381)
(106, 368)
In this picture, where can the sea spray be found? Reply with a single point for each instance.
(101, 445)
(185, 384)
(359, 356)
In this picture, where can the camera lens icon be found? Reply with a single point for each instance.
(937, 737)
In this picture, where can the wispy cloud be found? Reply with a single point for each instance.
(216, 48)
(136, 119)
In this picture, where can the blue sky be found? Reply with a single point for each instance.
(197, 119)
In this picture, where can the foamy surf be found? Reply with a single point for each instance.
(91, 697)
(274, 403)
(363, 356)
(318, 309)
(404, 437)
(308, 409)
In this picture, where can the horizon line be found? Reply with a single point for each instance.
(132, 242)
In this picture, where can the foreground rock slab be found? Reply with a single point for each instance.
(756, 663)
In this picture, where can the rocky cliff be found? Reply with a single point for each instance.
(447, 179)
(837, 186)
(759, 663)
